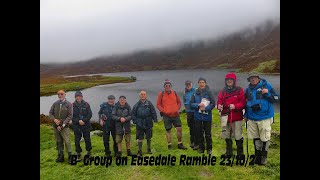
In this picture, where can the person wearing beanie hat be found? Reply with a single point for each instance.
(111, 97)
(121, 114)
(202, 79)
(188, 92)
(169, 104)
(260, 97)
(81, 124)
(202, 101)
(166, 82)
(108, 125)
(78, 93)
(61, 114)
(231, 102)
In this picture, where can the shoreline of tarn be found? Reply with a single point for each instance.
(50, 85)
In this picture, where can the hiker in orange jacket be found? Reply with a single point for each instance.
(169, 104)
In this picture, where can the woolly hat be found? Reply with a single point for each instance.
(166, 82)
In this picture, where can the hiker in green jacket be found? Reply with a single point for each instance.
(61, 114)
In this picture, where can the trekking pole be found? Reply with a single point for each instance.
(230, 122)
(247, 142)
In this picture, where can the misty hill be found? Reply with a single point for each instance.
(243, 50)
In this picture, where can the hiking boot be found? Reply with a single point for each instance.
(228, 148)
(257, 153)
(129, 153)
(149, 151)
(78, 157)
(209, 151)
(69, 158)
(139, 153)
(60, 157)
(263, 160)
(200, 151)
(257, 159)
(192, 145)
(170, 146)
(239, 147)
(264, 153)
(181, 146)
(195, 147)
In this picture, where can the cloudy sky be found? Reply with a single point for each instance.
(75, 30)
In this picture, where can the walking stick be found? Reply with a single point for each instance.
(247, 141)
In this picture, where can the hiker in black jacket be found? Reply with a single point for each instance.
(81, 124)
(143, 114)
(108, 125)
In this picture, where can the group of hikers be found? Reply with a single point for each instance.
(254, 105)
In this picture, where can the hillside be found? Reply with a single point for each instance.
(245, 50)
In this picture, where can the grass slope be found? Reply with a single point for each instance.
(50, 85)
(49, 169)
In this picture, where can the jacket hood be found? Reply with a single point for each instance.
(231, 76)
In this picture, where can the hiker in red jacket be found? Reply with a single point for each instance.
(169, 104)
(231, 102)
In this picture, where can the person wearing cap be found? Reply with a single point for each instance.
(260, 96)
(231, 102)
(61, 114)
(169, 104)
(108, 125)
(202, 102)
(81, 124)
(121, 114)
(188, 92)
(143, 115)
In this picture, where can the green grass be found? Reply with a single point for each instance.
(49, 169)
(224, 65)
(50, 85)
(267, 66)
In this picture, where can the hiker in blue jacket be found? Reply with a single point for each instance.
(188, 92)
(260, 96)
(202, 102)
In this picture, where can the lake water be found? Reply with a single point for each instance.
(152, 82)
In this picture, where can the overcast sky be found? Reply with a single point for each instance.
(74, 30)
